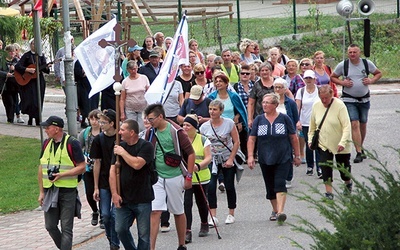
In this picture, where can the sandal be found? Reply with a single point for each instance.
(281, 217)
(273, 216)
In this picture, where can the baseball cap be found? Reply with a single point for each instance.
(309, 73)
(110, 114)
(53, 120)
(134, 48)
(154, 53)
(195, 92)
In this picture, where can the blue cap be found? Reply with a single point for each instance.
(136, 47)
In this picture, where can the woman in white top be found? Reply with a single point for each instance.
(305, 98)
(133, 103)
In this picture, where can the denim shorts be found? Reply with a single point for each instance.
(358, 111)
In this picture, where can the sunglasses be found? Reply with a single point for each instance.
(245, 73)
(305, 64)
(199, 72)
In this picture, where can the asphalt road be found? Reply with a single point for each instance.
(252, 229)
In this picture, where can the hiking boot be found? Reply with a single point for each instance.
(358, 158)
(310, 171)
(95, 218)
(188, 237)
(203, 230)
(329, 196)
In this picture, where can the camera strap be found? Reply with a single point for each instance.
(55, 149)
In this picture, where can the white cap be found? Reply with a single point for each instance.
(195, 92)
(309, 73)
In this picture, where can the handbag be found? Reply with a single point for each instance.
(171, 159)
(239, 160)
(315, 138)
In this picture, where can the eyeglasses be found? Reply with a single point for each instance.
(278, 87)
(103, 122)
(245, 73)
(151, 120)
(304, 64)
(308, 78)
(199, 72)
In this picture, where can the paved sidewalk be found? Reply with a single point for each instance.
(25, 230)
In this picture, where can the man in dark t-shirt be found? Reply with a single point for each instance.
(136, 192)
(197, 104)
(101, 152)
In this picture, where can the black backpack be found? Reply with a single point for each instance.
(346, 67)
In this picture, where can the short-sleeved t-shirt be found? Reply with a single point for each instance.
(224, 134)
(273, 140)
(97, 152)
(356, 73)
(307, 101)
(186, 85)
(229, 110)
(135, 90)
(257, 93)
(171, 105)
(135, 184)
(167, 144)
(201, 109)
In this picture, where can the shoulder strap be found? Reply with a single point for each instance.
(346, 68)
(301, 103)
(219, 138)
(366, 66)
(323, 118)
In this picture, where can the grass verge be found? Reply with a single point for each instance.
(18, 179)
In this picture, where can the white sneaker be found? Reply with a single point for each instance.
(210, 222)
(165, 229)
(221, 187)
(230, 219)
(20, 120)
(288, 184)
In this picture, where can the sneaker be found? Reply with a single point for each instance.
(281, 217)
(221, 187)
(165, 229)
(329, 196)
(188, 237)
(358, 158)
(102, 224)
(182, 247)
(230, 219)
(273, 216)
(95, 218)
(204, 229)
(210, 222)
(303, 161)
(20, 120)
(310, 172)
(363, 155)
(288, 184)
(112, 247)
(319, 173)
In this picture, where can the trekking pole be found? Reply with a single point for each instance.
(208, 207)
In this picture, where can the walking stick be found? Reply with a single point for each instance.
(208, 206)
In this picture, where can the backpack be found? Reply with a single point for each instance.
(346, 67)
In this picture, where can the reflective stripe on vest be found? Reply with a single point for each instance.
(50, 159)
(198, 147)
(233, 76)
